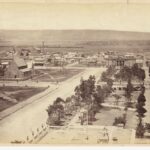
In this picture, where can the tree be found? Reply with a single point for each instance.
(109, 82)
(99, 95)
(141, 99)
(127, 73)
(142, 89)
(108, 74)
(124, 74)
(50, 110)
(56, 112)
(117, 97)
(107, 90)
(21, 54)
(140, 130)
(110, 71)
(58, 100)
(86, 89)
(68, 100)
(141, 74)
(135, 69)
(91, 83)
(2, 71)
(120, 120)
(140, 106)
(104, 77)
(91, 114)
(140, 113)
(129, 91)
(138, 72)
(77, 95)
(69, 106)
(53, 118)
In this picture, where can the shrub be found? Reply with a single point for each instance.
(120, 120)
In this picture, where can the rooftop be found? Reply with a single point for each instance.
(19, 62)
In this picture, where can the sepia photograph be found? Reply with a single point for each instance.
(74, 73)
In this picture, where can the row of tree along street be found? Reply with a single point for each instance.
(87, 95)
(142, 128)
(126, 73)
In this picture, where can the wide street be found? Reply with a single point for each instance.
(20, 124)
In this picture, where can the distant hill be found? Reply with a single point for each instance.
(70, 35)
(98, 39)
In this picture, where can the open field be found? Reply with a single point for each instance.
(55, 75)
(10, 96)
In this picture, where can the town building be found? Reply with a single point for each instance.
(24, 53)
(140, 61)
(120, 61)
(16, 68)
(39, 61)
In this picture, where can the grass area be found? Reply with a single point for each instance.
(4, 104)
(106, 117)
(53, 75)
(25, 94)
(122, 100)
(18, 93)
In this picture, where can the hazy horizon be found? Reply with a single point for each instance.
(70, 35)
(81, 39)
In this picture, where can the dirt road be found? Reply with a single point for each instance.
(20, 124)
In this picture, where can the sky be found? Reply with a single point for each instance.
(39, 16)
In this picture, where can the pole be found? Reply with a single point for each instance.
(43, 47)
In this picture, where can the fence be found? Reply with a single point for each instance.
(35, 136)
(38, 134)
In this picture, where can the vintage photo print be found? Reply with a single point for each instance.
(74, 73)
